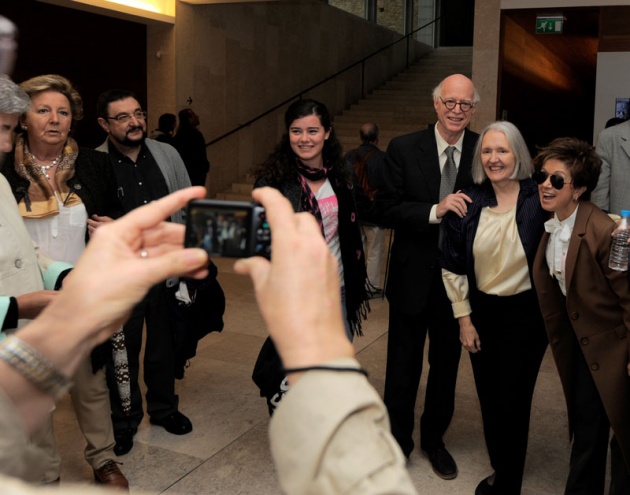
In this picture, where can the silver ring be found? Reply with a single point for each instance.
(144, 254)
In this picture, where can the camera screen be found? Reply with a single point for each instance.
(228, 230)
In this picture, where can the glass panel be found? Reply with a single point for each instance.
(424, 11)
(391, 14)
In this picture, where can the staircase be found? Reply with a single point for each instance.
(402, 105)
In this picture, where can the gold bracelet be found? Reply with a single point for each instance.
(35, 367)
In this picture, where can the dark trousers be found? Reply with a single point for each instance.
(591, 430)
(513, 342)
(159, 360)
(405, 353)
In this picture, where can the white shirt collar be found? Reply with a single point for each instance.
(442, 144)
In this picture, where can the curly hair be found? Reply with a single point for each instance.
(280, 164)
(580, 159)
(55, 82)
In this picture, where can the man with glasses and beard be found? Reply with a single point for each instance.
(145, 170)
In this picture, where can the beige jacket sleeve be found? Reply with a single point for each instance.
(331, 435)
(17, 453)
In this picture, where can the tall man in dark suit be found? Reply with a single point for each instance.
(419, 165)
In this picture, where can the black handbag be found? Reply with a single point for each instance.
(268, 375)
(198, 319)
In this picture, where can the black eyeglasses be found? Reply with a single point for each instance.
(125, 117)
(557, 181)
(464, 106)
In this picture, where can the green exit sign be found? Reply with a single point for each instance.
(549, 25)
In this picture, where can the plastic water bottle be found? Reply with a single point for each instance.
(619, 249)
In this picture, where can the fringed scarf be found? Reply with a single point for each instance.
(121, 369)
(39, 200)
(308, 199)
(357, 303)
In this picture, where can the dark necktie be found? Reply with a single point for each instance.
(449, 173)
(447, 183)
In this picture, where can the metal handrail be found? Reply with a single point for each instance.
(361, 62)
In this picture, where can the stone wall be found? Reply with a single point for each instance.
(236, 61)
(389, 12)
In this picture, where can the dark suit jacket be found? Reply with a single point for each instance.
(411, 187)
(596, 312)
(374, 166)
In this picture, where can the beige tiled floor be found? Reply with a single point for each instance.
(227, 452)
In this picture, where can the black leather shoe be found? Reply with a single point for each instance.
(124, 441)
(176, 423)
(442, 463)
(484, 487)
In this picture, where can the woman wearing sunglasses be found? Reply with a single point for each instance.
(486, 260)
(586, 308)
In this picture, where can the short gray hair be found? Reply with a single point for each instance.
(13, 100)
(523, 167)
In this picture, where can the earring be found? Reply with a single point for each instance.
(24, 127)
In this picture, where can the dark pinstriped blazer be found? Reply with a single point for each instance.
(457, 247)
(411, 186)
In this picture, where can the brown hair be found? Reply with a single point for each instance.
(578, 156)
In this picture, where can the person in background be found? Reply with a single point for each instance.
(58, 186)
(166, 129)
(308, 168)
(145, 170)
(613, 121)
(425, 173)
(368, 162)
(486, 266)
(586, 308)
(613, 146)
(191, 145)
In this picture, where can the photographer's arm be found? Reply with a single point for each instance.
(97, 297)
(330, 433)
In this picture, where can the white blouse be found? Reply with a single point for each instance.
(62, 236)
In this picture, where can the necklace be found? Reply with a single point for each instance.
(46, 168)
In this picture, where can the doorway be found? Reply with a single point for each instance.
(547, 81)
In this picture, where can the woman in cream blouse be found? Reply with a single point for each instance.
(486, 268)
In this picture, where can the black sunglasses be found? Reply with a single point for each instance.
(557, 182)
